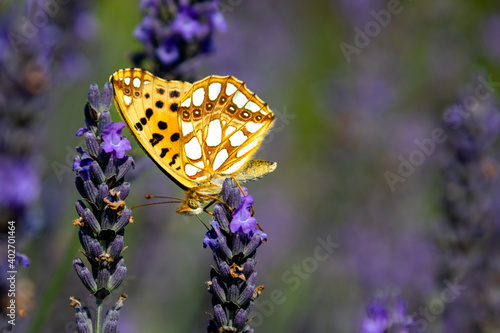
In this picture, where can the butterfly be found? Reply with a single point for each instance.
(198, 134)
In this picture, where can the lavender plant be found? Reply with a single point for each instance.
(100, 168)
(33, 57)
(176, 34)
(471, 232)
(234, 239)
(387, 314)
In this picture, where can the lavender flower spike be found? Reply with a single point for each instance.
(100, 170)
(175, 34)
(234, 246)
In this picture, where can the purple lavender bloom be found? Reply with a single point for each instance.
(22, 260)
(232, 282)
(243, 222)
(101, 167)
(387, 315)
(470, 234)
(212, 235)
(174, 34)
(377, 318)
(114, 143)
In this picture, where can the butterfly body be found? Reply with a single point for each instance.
(197, 134)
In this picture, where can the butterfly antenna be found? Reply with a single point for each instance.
(149, 196)
(155, 203)
(208, 229)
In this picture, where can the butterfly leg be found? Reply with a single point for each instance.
(207, 206)
(214, 199)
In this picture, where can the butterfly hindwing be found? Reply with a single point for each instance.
(149, 106)
(222, 125)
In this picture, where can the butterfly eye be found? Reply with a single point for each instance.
(196, 113)
(258, 117)
(231, 109)
(222, 100)
(210, 106)
(185, 115)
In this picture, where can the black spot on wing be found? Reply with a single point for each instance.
(164, 152)
(147, 95)
(174, 137)
(174, 93)
(159, 104)
(149, 113)
(144, 121)
(174, 107)
(173, 159)
(156, 139)
(160, 91)
(162, 125)
(138, 126)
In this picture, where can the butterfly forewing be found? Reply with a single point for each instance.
(149, 106)
(222, 125)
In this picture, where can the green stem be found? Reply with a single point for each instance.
(98, 315)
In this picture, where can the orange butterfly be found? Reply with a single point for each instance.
(197, 134)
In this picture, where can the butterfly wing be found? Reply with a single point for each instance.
(222, 125)
(149, 106)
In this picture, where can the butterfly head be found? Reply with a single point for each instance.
(191, 205)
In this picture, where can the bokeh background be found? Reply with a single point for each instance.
(349, 109)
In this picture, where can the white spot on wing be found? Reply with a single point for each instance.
(137, 82)
(253, 127)
(186, 103)
(239, 99)
(245, 149)
(200, 164)
(229, 130)
(191, 170)
(127, 80)
(214, 90)
(235, 167)
(127, 100)
(230, 89)
(147, 82)
(214, 135)
(186, 128)
(263, 112)
(237, 138)
(220, 158)
(198, 96)
(193, 149)
(251, 106)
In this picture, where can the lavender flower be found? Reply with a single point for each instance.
(113, 142)
(39, 44)
(470, 235)
(387, 314)
(175, 34)
(100, 170)
(232, 281)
